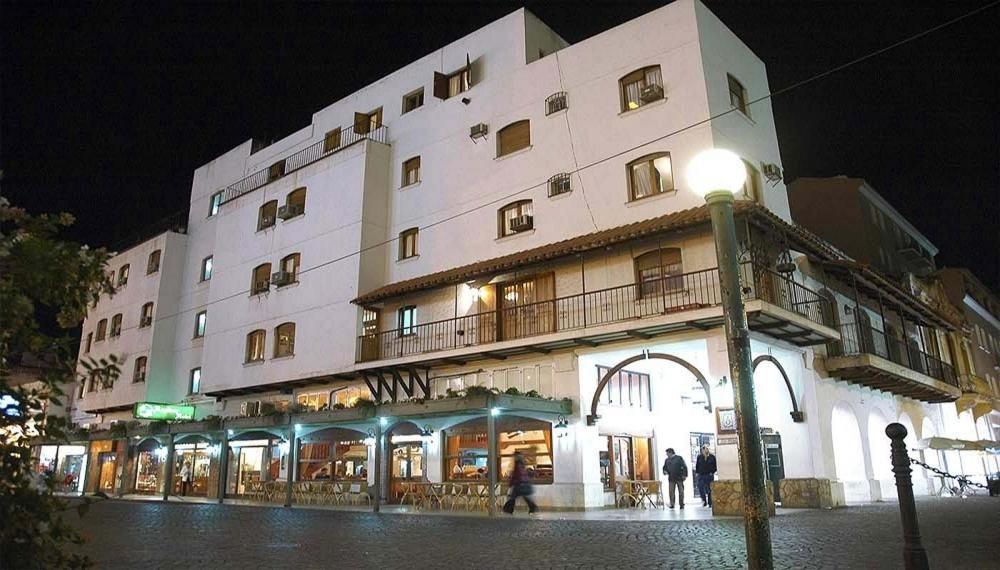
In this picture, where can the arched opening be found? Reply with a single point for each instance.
(255, 460)
(466, 452)
(796, 414)
(407, 458)
(879, 448)
(150, 465)
(336, 454)
(848, 454)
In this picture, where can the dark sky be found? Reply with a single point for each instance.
(108, 108)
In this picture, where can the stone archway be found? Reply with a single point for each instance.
(797, 415)
(593, 417)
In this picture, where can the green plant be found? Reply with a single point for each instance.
(449, 393)
(118, 430)
(471, 391)
(158, 426)
(363, 403)
(532, 394)
(512, 391)
(339, 406)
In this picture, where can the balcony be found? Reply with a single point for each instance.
(775, 305)
(347, 137)
(867, 356)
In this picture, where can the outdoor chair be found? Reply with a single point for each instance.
(412, 493)
(627, 496)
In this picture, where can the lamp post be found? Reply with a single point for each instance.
(716, 175)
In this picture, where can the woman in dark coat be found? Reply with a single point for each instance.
(520, 486)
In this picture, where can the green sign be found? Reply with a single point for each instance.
(165, 412)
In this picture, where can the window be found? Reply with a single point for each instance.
(513, 137)
(260, 281)
(413, 100)
(737, 95)
(153, 264)
(290, 268)
(751, 188)
(276, 170)
(146, 316)
(659, 271)
(284, 340)
(214, 203)
(555, 103)
(206, 268)
(123, 275)
(255, 346)
(650, 175)
(267, 215)
(90, 342)
(408, 243)
(625, 389)
(411, 171)
(365, 123)
(640, 87)
(407, 320)
(331, 141)
(200, 322)
(559, 184)
(139, 373)
(116, 325)
(515, 217)
(102, 329)
(194, 386)
(347, 396)
(466, 454)
(313, 401)
(295, 203)
(447, 86)
(626, 458)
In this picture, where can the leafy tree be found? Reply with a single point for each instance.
(46, 285)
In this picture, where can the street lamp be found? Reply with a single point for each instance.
(716, 175)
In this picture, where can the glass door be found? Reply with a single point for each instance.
(107, 465)
(246, 468)
(407, 465)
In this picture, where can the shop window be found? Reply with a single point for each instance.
(313, 400)
(214, 203)
(331, 141)
(407, 320)
(260, 280)
(284, 340)
(650, 175)
(626, 389)
(267, 214)
(102, 329)
(659, 271)
(116, 326)
(194, 386)
(737, 95)
(123, 275)
(513, 137)
(347, 396)
(255, 346)
(333, 454)
(413, 100)
(514, 218)
(466, 456)
(139, 373)
(411, 171)
(200, 323)
(206, 268)
(146, 316)
(640, 87)
(625, 458)
(408, 243)
(153, 263)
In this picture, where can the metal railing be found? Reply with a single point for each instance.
(670, 294)
(300, 159)
(862, 338)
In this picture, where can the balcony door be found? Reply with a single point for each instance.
(527, 307)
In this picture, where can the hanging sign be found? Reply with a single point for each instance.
(164, 412)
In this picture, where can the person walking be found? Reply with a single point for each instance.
(520, 486)
(185, 478)
(676, 471)
(704, 472)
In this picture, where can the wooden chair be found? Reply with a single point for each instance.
(255, 491)
(628, 494)
(411, 492)
(654, 489)
(356, 493)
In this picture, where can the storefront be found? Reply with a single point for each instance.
(196, 453)
(465, 454)
(104, 457)
(71, 460)
(151, 462)
(407, 459)
(255, 457)
(333, 454)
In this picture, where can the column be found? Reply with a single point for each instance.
(491, 454)
(223, 464)
(377, 495)
(168, 479)
(86, 468)
(291, 457)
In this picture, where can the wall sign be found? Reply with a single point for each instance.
(725, 420)
(164, 412)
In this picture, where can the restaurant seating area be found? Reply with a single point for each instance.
(462, 495)
(328, 493)
(639, 494)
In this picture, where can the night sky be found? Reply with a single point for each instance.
(108, 108)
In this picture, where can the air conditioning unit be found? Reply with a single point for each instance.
(282, 278)
(250, 409)
(771, 171)
(651, 93)
(289, 211)
(261, 286)
(522, 223)
(478, 131)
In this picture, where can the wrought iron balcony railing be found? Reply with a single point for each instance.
(670, 294)
(860, 338)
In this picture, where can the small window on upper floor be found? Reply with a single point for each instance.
(365, 123)
(447, 86)
(515, 217)
(649, 175)
(255, 346)
(559, 184)
(288, 270)
(200, 324)
(513, 137)
(411, 171)
(284, 340)
(276, 170)
(214, 203)
(139, 373)
(146, 316)
(295, 204)
(555, 103)
(737, 95)
(752, 186)
(407, 317)
(260, 280)
(408, 243)
(206, 268)
(194, 385)
(153, 264)
(267, 214)
(413, 100)
(116, 326)
(123, 275)
(89, 343)
(640, 87)
(102, 329)
(331, 141)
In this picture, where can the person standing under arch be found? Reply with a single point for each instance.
(676, 471)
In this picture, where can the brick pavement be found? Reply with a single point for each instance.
(147, 535)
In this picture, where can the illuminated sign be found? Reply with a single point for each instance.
(165, 412)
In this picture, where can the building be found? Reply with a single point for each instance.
(493, 250)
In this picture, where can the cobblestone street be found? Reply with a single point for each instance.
(147, 535)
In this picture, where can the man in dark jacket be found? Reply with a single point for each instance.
(676, 471)
(704, 473)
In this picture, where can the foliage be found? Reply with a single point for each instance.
(339, 406)
(365, 403)
(45, 284)
(512, 391)
(472, 391)
(532, 394)
(212, 422)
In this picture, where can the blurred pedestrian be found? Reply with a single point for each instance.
(520, 486)
(676, 471)
(185, 478)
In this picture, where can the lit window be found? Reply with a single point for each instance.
(200, 322)
(515, 217)
(255, 346)
(467, 455)
(214, 203)
(737, 95)
(407, 320)
(139, 374)
(446, 86)
(411, 171)
(123, 275)
(146, 316)
(266, 215)
(284, 340)
(513, 137)
(650, 175)
(102, 329)
(260, 281)
(153, 264)
(313, 401)
(659, 271)
(116, 325)
(365, 123)
(206, 268)
(194, 387)
(640, 87)
(408, 243)
(413, 100)
(625, 389)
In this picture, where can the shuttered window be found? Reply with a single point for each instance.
(331, 141)
(513, 137)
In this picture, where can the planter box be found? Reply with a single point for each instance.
(345, 415)
(256, 422)
(479, 402)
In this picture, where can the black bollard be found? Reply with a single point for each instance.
(914, 555)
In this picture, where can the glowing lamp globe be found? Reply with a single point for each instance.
(716, 170)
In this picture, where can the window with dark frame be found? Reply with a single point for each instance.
(659, 271)
(513, 137)
(116, 326)
(206, 268)
(649, 175)
(737, 95)
(276, 170)
(365, 123)
(153, 263)
(640, 87)
(408, 243)
(514, 218)
(407, 320)
(146, 315)
(90, 342)
(413, 100)
(194, 386)
(260, 280)
(447, 86)
(102, 329)
(466, 456)
(331, 141)
(284, 340)
(290, 266)
(559, 184)
(626, 389)
(626, 457)
(411, 171)
(123, 275)
(555, 103)
(255, 346)
(752, 187)
(295, 203)
(267, 215)
(139, 372)
(214, 203)
(200, 323)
